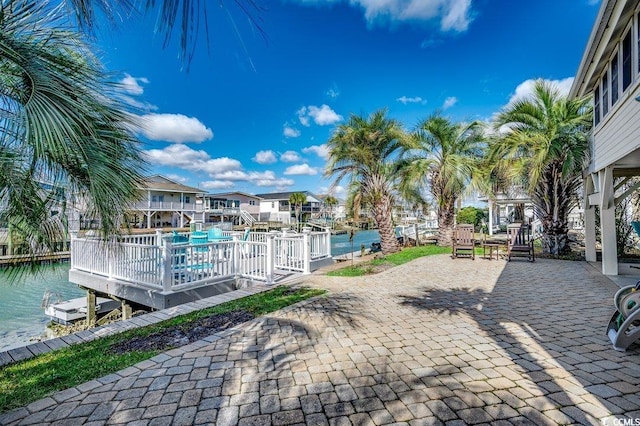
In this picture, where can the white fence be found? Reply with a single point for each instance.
(155, 262)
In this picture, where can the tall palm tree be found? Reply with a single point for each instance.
(331, 201)
(544, 146)
(297, 200)
(444, 157)
(64, 136)
(190, 16)
(364, 150)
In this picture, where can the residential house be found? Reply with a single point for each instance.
(166, 203)
(609, 72)
(231, 208)
(275, 207)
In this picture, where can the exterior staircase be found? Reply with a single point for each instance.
(247, 218)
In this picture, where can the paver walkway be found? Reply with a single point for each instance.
(436, 341)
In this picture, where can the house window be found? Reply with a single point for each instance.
(614, 79)
(187, 199)
(605, 94)
(638, 39)
(252, 202)
(596, 105)
(626, 61)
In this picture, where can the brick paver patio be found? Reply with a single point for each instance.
(436, 341)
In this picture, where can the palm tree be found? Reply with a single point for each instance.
(297, 200)
(545, 147)
(331, 201)
(445, 156)
(364, 150)
(186, 14)
(64, 136)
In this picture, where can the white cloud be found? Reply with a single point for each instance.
(449, 102)
(453, 15)
(141, 105)
(525, 89)
(301, 169)
(333, 92)
(182, 156)
(405, 100)
(321, 151)
(265, 157)
(289, 157)
(132, 84)
(216, 184)
(337, 191)
(177, 178)
(290, 132)
(176, 128)
(322, 115)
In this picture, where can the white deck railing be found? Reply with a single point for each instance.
(153, 261)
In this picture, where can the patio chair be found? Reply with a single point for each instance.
(215, 234)
(463, 241)
(519, 241)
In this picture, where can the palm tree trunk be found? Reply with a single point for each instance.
(446, 213)
(552, 199)
(388, 240)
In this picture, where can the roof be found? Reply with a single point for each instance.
(610, 23)
(227, 194)
(161, 183)
(286, 195)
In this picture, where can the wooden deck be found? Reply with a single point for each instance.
(153, 271)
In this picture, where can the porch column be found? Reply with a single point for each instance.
(490, 216)
(589, 222)
(608, 223)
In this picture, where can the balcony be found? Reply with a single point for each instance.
(168, 206)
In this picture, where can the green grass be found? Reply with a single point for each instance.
(405, 255)
(35, 378)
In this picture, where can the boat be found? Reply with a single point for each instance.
(67, 312)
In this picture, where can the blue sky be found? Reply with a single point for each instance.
(255, 110)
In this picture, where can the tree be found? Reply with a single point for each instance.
(297, 200)
(331, 201)
(186, 14)
(444, 156)
(364, 151)
(64, 137)
(472, 215)
(543, 145)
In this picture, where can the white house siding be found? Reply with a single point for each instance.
(619, 133)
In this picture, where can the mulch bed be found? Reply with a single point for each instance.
(180, 335)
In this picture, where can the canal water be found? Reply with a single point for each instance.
(21, 314)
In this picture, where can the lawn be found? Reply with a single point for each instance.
(35, 378)
(376, 265)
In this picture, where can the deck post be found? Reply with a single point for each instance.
(158, 237)
(306, 250)
(236, 256)
(74, 236)
(91, 308)
(270, 260)
(111, 261)
(328, 241)
(165, 275)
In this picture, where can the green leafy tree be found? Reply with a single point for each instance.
(65, 139)
(543, 145)
(444, 157)
(297, 200)
(364, 150)
(472, 215)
